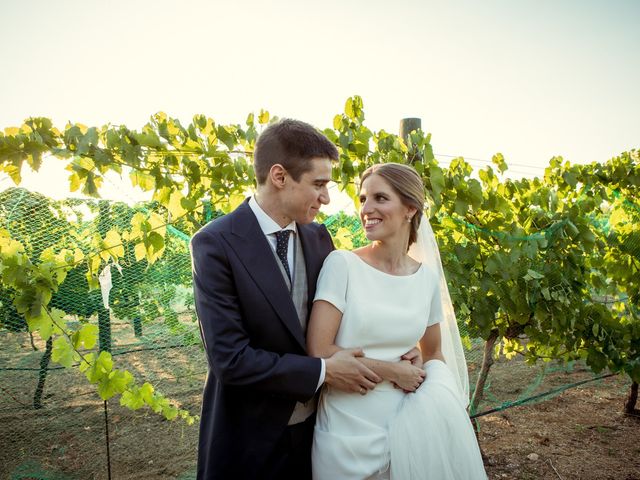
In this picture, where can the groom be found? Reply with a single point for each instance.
(254, 274)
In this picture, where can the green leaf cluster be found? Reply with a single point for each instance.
(529, 261)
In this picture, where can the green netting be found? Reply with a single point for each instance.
(53, 421)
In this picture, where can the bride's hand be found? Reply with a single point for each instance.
(408, 377)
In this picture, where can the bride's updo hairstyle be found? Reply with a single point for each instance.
(407, 183)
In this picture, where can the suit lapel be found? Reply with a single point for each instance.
(312, 259)
(254, 251)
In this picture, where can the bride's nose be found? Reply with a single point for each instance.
(365, 207)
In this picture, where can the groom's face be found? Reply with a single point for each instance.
(303, 199)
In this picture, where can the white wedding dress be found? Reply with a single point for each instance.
(387, 433)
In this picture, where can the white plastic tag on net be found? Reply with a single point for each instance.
(104, 278)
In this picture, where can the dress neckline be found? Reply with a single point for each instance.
(382, 272)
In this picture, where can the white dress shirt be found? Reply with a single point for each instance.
(269, 227)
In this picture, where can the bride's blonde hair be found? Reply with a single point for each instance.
(407, 183)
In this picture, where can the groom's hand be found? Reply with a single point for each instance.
(345, 372)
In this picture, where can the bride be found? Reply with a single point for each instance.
(387, 297)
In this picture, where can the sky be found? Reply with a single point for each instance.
(529, 79)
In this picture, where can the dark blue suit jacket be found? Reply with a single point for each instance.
(258, 366)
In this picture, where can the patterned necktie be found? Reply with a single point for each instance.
(282, 244)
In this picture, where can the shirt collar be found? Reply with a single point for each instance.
(267, 224)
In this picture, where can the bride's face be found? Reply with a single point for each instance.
(382, 213)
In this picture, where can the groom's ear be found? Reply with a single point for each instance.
(278, 175)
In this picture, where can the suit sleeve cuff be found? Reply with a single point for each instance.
(322, 373)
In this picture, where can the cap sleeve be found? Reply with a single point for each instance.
(333, 280)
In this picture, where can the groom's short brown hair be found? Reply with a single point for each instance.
(292, 144)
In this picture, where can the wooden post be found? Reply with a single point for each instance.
(630, 404)
(408, 125)
(137, 326)
(44, 366)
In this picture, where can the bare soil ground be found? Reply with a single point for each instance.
(578, 434)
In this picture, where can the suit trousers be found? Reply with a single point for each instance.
(292, 457)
